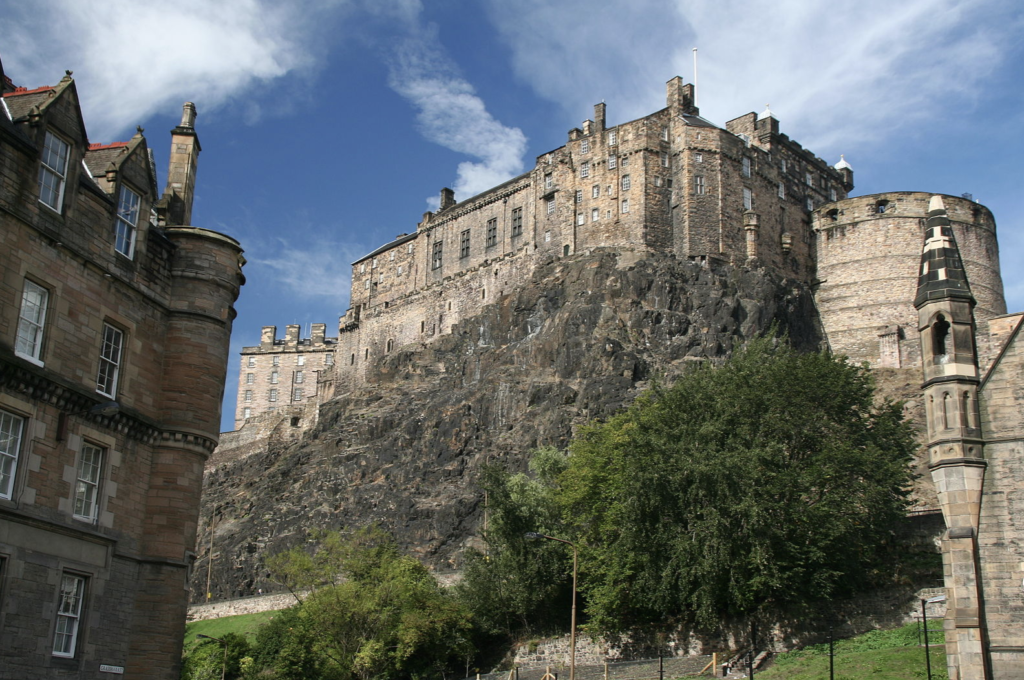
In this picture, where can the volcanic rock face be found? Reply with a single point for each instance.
(577, 342)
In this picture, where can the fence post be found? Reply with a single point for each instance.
(605, 670)
(661, 666)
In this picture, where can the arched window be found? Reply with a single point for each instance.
(940, 336)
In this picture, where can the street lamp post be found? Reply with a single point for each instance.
(224, 662)
(533, 535)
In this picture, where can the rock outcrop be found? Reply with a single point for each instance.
(577, 342)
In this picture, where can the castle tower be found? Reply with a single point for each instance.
(945, 308)
(867, 250)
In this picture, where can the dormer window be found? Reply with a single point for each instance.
(127, 220)
(53, 170)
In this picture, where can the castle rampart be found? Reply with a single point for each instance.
(868, 250)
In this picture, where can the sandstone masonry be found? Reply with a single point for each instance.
(115, 316)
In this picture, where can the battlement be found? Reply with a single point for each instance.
(283, 373)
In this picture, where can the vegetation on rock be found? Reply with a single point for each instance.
(768, 483)
(367, 611)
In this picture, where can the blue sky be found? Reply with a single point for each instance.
(329, 126)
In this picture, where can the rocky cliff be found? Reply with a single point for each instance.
(576, 342)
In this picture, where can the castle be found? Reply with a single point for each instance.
(669, 182)
(673, 182)
(115, 318)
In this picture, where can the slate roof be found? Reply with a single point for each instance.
(99, 156)
(387, 246)
(942, 275)
(19, 103)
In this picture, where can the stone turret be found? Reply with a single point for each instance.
(955, 447)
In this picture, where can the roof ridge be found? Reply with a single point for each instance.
(21, 90)
(111, 145)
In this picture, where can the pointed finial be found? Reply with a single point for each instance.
(842, 164)
(139, 129)
(68, 73)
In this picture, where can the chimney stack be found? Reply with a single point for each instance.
(447, 198)
(176, 203)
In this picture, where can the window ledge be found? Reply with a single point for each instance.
(30, 359)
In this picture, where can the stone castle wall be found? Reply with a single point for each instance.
(667, 182)
(868, 252)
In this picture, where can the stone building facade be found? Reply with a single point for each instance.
(282, 375)
(115, 316)
(975, 438)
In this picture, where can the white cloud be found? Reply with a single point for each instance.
(450, 113)
(135, 58)
(321, 270)
(831, 71)
(580, 52)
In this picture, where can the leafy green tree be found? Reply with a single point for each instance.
(769, 482)
(205, 659)
(367, 611)
(520, 586)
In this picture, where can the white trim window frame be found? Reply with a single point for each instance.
(12, 428)
(31, 320)
(110, 361)
(53, 171)
(87, 483)
(128, 203)
(69, 615)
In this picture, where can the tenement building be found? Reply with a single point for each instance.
(115, 316)
(281, 375)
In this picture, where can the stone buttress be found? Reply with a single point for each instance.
(956, 449)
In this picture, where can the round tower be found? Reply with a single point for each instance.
(868, 250)
(206, 275)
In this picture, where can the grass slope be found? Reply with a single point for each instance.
(243, 624)
(879, 655)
